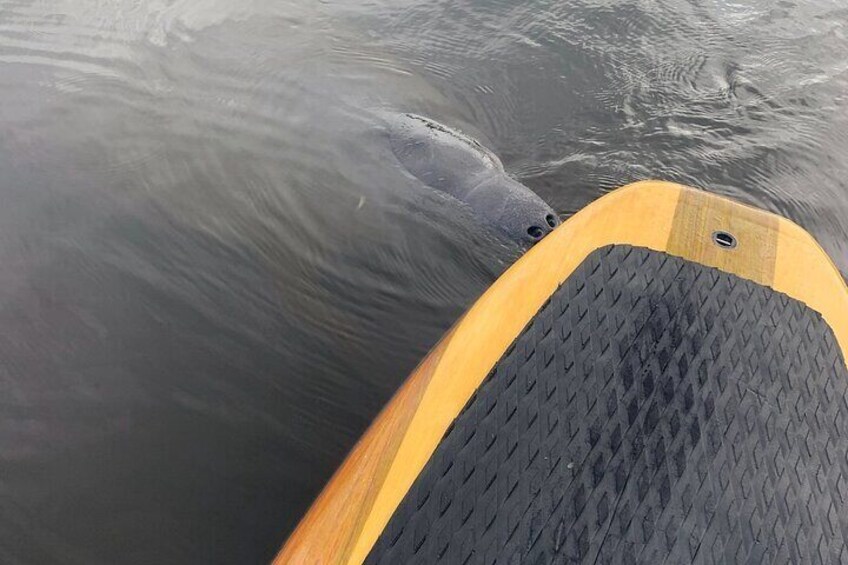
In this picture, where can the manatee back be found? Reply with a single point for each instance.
(441, 157)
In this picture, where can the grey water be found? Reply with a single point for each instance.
(213, 271)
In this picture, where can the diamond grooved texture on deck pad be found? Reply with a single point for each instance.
(654, 411)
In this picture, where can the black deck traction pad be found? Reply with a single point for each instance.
(654, 411)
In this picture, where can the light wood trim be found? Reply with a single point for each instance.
(700, 214)
(349, 515)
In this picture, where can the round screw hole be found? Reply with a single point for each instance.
(724, 240)
(535, 232)
(552, 221)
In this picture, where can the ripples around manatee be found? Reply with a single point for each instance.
(214, 273)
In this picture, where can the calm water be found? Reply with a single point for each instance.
(213, 272)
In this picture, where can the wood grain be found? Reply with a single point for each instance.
(329, 531)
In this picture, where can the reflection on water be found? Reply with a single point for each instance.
(214, 271)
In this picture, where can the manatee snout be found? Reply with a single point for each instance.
(513, 209)
(455, 164)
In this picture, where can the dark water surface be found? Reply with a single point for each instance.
(213, 271)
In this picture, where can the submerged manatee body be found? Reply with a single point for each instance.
(459, 166)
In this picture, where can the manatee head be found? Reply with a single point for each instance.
(455, 164)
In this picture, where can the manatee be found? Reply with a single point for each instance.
(455, 164)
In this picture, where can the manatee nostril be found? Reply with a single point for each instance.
(535, 232)
(551, 219)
